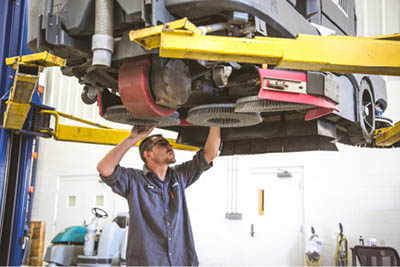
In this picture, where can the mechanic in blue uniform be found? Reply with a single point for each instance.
(160, 233)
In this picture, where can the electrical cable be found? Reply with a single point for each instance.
(341, 255)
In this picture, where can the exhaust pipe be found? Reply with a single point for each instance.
(103, 40)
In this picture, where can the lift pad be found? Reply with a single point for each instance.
(18, 104)
(43, 59)
(25, 82)
(150, 37)
(102, 135)
(336, 53)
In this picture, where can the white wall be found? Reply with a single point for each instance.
(355, 186)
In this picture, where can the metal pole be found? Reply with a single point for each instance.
(15, 149)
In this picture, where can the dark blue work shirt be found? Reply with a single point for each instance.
(160, 233)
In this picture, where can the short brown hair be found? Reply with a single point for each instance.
(146, 145)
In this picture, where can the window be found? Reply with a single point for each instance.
(260, 201)
(100, 201)
(343, 6)
(71, 201)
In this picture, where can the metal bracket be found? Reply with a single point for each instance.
(159, 13)
(261, 26)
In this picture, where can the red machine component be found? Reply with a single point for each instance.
(291, 83)
(134, 89)
(185, 123)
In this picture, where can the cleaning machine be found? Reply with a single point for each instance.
(79, 245)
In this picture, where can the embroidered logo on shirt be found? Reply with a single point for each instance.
(151, 187)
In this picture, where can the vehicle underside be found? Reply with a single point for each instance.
(259, 108)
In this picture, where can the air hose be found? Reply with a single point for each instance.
(103, 40)
(313, 251)
(341, 256)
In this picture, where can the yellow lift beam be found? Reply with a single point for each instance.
(19, 103)
(103, 135)
(369, 55)
(336, 53)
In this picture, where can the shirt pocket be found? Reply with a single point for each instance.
(153, 195)
(175, 193)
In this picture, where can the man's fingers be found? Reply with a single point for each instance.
(143, 128)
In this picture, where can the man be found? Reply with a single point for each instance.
(160, 233)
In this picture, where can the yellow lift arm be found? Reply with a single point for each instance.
(102, 135)
(387, 136)
(19, 103)
(369, 55)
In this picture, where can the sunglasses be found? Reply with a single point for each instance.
(160, 143)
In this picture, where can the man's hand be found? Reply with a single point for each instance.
(107, 165)
(141, 131)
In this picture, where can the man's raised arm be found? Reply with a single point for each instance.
(107, 165)
(212, 144)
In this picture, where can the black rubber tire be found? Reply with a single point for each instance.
(88, 97)
(366, 108)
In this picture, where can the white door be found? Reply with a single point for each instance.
(277, 219)
(77, 195)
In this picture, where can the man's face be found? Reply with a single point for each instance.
(162, 152)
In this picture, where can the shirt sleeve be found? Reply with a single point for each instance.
(118, 181)
(190, 171)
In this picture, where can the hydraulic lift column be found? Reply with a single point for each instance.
(15, 148)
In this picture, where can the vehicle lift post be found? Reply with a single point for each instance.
(15, 149)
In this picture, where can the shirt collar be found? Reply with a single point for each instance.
(146, 171)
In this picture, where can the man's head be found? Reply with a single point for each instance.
(157, 149)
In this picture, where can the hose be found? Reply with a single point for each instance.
(313, 263)
(103, 40)
(341, 256)
(213, 28)
(104, 17)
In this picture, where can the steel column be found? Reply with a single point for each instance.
(15, 149)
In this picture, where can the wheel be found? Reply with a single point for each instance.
(366, 110)
(134, 89)
(89, 95)
(99, 213)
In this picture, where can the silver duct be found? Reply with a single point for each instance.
(103, 40)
